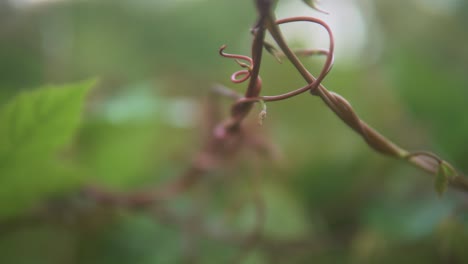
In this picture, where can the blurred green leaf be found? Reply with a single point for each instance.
(398, 221)
(39, 245)
(33, 126)
(255, 257)
(126, 139)
(131, 239)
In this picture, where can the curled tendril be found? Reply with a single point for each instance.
(331, 48)
(446, 173)
(234, 56)
(235, 76)
(242, 75)
(325, 69)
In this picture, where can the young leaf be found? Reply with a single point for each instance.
(443, 176)
(272, 50)
(34, 125)
(313, 4)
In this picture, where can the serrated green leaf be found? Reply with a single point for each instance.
(33, 126)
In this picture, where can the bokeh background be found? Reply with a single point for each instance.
(329, 198)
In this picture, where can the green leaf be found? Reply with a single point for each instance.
(33, 126)
(130, 238)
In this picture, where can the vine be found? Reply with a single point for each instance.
(226, 137)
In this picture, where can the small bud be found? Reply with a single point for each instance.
(263, 113)
(261, 117)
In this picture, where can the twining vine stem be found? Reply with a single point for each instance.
(343, 109)
(222, 143)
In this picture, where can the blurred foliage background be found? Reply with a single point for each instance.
(329, 198)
